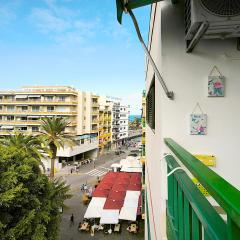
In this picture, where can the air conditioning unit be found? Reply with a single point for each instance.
(209, 19)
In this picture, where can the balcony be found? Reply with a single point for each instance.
(95, 104)
(53, 112)
(189, 214)
(37, 102)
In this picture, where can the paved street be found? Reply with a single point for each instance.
(88, 174)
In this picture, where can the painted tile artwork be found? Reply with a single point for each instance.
(198, 124)
(216, 86)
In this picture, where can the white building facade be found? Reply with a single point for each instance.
(187, 74)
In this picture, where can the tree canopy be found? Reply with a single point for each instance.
(29, 201)
(53, 135)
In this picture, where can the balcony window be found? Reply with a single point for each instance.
(24, 108)
(35, 129)
(23, 118)
(49, 98)
(62, 98)
(10, 118)
(150, 100)
(35, 108)
(50, 108)
(22, 128)
(10, 108)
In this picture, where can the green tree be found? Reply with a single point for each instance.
(28, 143)
(54, 136)
(29, 201)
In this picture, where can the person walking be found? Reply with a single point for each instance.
(72, 220)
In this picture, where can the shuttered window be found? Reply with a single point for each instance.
(150, 100)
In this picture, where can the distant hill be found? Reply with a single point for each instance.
(132, 117)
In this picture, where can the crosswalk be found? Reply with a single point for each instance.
(97, 172)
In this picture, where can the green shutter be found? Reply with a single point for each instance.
(151, 105)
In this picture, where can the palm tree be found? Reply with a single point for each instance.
(53, 135)
(28, 143)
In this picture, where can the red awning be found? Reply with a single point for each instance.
(117, 195)
(119, 187)
(124, 175)
(100, 193)
(134, 187)
(122, 181)
(105, 185)
(136, 175)
(135, 181)
(112, 174)
(113, 204)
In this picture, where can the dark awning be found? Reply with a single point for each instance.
(131, 4)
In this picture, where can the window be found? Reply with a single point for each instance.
(24, 108)
(35, 129)
(10, 108)
(150, 105)
(62, 98)
(1, 108)
(50, 108)
(23, 128)
(1, 118)
(49, 98)
(10, 118)
(35, 108)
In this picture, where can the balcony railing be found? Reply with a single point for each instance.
(38, 102)
(49, 112)
(189, 213)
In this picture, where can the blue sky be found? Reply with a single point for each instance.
(72, 42)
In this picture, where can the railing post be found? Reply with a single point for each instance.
(233, 229)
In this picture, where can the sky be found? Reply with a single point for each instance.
(76, 43)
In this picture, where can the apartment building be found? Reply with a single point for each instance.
(192, 115)
(123, 123)
(120, 123)
(105, 123)
(176, 208)
(22, 110)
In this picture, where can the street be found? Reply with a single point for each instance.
(88, 174)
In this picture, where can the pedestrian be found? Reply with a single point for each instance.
(71, 170)
(72, 220)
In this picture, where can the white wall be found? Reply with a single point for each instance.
(187, 75)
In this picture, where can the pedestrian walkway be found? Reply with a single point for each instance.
(98, 172)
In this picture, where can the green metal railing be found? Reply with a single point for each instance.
(189, 213)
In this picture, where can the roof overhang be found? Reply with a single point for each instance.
(123, 5)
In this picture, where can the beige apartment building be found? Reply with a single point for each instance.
(22, 110)
(90, 117)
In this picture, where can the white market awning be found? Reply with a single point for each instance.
(21, 96)
(130, 169)
(128, 213)
(7, 127)
(131, 199)
(34, 96)
(95, 208)
(109, 216)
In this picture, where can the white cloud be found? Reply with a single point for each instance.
(6, 15)
(47, 22)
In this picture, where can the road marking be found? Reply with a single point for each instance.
(96, 172)
(105, 168)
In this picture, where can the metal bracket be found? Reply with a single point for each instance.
(168, 93)
(197, 37)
